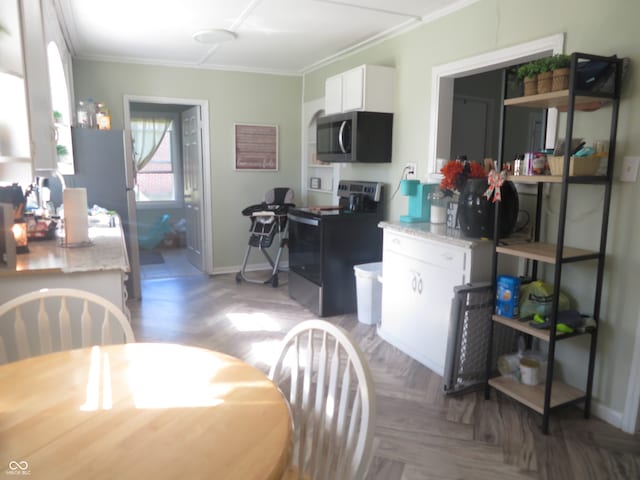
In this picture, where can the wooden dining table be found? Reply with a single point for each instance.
(141, 411)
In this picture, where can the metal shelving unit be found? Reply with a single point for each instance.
(552, 394)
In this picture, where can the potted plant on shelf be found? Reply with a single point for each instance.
(545, 76)
(515, 84)
(560, 64)
(528, 73)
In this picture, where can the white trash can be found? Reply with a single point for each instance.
(369, 292)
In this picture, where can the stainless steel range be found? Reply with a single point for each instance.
(326, 242)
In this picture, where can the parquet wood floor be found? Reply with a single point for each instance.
(421, 434)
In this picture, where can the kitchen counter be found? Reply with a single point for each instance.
(100, 268)
(431, 231)
(106, 252)
(422, 264)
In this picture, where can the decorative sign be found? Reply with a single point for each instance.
(256, 147)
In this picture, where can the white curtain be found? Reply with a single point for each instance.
(147, 135)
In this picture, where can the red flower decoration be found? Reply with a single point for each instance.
(456, 173)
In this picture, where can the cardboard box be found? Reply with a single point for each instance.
(577, 165)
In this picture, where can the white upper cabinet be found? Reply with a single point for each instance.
(364, 88)
(14, 125)
(333, 95)
(354, 88)
(10, 43)
(42, 129)
(27, 132)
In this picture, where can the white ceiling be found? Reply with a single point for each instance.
(277, 36)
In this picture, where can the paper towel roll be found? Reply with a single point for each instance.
(76, 217)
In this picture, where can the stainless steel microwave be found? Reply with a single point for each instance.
(355, 137)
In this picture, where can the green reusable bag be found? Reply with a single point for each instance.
(537, 297)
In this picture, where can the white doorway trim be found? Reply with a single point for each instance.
(207, 207)
(442, 80)
(631, 413)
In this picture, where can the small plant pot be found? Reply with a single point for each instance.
(515, 89)
(530, 86)
(560, 79)
(545, 81)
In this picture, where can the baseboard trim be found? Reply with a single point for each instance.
(606, 414)
(250, 268)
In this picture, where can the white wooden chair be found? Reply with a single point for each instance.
(80, 319)
(330, 388)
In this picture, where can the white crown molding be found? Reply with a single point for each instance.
(147, 62)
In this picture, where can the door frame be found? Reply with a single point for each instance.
(630, 421)
(206, 179)
(442, 82)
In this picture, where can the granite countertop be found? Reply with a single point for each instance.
(106, 252)
(433, 231)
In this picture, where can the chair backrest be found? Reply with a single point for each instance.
(279, 195)
(56, 319)
(330, 388)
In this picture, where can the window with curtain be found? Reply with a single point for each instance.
(156, 153)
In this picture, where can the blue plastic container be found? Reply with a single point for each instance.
(508, 296)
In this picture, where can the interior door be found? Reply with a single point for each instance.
(469, 129)
(192, 161)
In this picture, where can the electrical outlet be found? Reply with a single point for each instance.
(411, 171)
(629, 169)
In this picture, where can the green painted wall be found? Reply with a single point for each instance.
(233, 98)
(589, 26)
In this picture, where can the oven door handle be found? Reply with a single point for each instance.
(307, 221)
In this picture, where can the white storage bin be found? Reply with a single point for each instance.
(369, 292)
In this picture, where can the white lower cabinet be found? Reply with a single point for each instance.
(419, 273)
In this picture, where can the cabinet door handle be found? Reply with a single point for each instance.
(420, 286)
(414, 283)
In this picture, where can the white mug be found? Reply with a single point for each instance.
(529, 371)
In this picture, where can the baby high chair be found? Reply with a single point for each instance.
(268, 220)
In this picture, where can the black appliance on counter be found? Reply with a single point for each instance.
(326, 242)
(355, 137)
